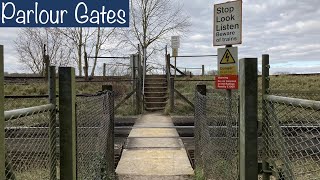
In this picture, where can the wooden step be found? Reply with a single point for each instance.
(165, 102)
(155, 94)
(155, 80)
(156, 76)
(155, 89)
(156, 99)
(155, 109)
(155, 104)
(156, 84)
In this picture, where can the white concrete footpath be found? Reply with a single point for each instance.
(154, 153)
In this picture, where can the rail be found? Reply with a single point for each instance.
(315, 105)
(17, 113)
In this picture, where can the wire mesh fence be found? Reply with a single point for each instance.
(291, 137)
(28, 152)
(18, 103)
(216, 135)
(95, 144)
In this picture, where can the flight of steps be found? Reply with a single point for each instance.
(155, 91)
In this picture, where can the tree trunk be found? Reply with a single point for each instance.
(96, 53)
(80, 52)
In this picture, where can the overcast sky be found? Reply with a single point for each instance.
(288, 30)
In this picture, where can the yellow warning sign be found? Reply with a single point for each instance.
(227, 58)
(174, 52)
(228, 61)
(231, 70)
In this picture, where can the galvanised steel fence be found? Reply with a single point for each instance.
(33, 141)
(284, 139)
(95, 141)
(290, 132)
(28, 152)
(216, 135)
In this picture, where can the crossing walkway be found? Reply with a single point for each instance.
(154, 153)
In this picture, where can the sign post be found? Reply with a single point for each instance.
(175, 45)
(227, 31)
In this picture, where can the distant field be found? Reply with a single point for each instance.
(302, 86)
(305, 86)
(41, 88)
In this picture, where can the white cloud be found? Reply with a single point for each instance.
(289, 30)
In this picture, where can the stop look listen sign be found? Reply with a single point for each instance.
(227, 23)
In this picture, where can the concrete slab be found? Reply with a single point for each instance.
(153, 132)
(154, 143)
(153, 162)
(151, 153)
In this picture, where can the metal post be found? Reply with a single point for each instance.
(202, 70)
(47, 64)
(171, 94)
(139, 86)
(248, 119)
(266, 172)
(85, 68)
(168, 67)
(2, 126)
(110, 136)
(104, 70)
(67, 122)
(52, 125)
(134, 83)
(175, 66)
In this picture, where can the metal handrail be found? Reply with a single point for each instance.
(315, 105)
(17, 113)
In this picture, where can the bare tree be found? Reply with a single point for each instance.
(102, 35)
(76, 38)
(151, 20)
(30, 43)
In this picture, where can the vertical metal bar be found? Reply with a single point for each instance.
(109, 150)
(168, 68)
(67, 122)
(202, 70)
(175, 66)
(229, 130)
(133, 67)
(265, 116)
(104, 70)
(85, 68)
(144, 68)
(2, 125)
(139, 80)
(47, 64)
(52, 125)
(171, 94)
(248, 119)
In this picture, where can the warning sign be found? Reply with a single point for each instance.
(175, 42)
(228, 61)
(227, 23)
(227, 82)
(174, 52)
(227, 58)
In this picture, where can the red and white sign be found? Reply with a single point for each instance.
(227, 82)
